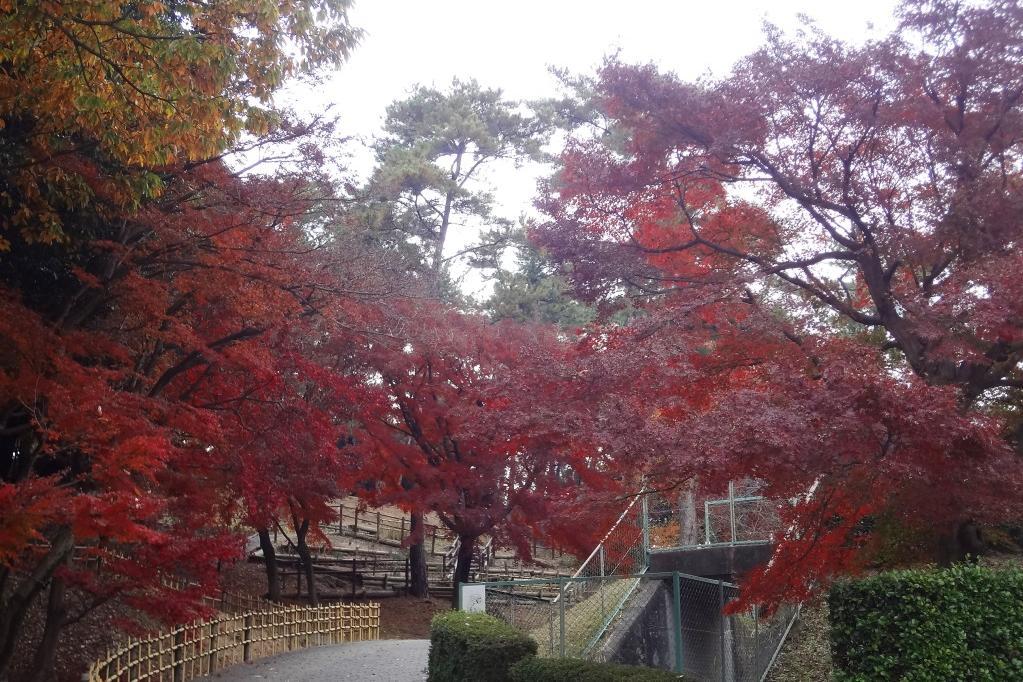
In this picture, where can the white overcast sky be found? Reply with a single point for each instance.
(510, 45)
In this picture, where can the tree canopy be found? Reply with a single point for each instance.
(435, 149)
(88, 86)
(805, 272)
(854, 204)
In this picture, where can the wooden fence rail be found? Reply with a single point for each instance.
(387, 527)
(204, 647)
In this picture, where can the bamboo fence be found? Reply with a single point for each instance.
(226, 602)
(204, 647)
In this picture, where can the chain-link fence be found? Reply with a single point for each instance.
(667, 620)
(613, 609)
(540, 607)
(689, 516)
(623, 548)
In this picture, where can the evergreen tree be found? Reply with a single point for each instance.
(532, 292)
(430, 161)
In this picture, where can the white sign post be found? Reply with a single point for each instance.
(474, 598)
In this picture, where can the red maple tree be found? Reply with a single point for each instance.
(489, 426)
(833, 228)
(184, 365)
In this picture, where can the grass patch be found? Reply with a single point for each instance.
(583, 619)
(806, 655)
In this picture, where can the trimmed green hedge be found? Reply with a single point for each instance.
(560, 669)
(963, 623)
(474, 647)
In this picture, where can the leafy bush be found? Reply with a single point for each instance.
(474, 647)
(963, 623)
(557, 669)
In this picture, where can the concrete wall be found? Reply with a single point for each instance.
(643, 633)
(719, 562)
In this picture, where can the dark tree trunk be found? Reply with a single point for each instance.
(273, 581)
(12, 619)
(56, 613)
(463, 563)
(963, 542)
(15, 605)
(971, 544)
(302, 530)
(419, 578)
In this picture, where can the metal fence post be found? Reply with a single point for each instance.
(731, 509)
(603, 612)
(676, 585)
(721, 622)
(511, 606)
(550, 629)
(561, 618)
(646, 532)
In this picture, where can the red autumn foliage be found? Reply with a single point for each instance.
(185, 373)
(823, 250)
(829, 236)
(490, 426)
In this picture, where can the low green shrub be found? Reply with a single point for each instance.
(963, 623)
(474, 647)
(559, 669)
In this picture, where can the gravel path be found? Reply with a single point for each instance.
(386, 660)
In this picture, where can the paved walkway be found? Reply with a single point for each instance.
(386, 660)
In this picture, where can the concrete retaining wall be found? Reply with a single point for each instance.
(643, 633)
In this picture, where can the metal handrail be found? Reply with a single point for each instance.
(596, 550)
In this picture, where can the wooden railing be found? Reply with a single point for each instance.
(387, 528)
(204, 647)
(383, 573)
(481, 557)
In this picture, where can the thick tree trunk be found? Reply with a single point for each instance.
(419, 578)
(12, 618)
(302, 532)
(273, 581)
(15, 606)
(970, 540)
(963, 542)
(463, 563)
(56, 613)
